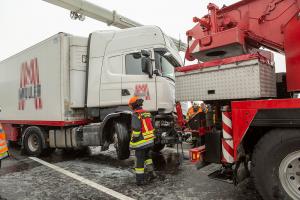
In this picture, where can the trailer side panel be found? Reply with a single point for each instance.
(32, 82)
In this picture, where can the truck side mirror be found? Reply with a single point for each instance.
(147, 66)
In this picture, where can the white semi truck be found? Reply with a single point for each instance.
(72, 92)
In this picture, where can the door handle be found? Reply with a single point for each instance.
(125, 92)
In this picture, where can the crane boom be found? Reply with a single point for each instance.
(111, 18)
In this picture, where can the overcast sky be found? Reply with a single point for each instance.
(26, 22)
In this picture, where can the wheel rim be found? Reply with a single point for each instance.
(33, 142)
(289, 174)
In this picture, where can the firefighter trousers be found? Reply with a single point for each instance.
(143, 164)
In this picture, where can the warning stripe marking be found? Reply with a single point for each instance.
(226, 155)
(226, 134)
(226, 120)
(83, 180)
(227, 129)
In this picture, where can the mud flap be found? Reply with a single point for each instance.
(213, 147)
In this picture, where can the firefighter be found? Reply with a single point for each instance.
(196, 123)
(193, 110)
(3, 145)
(142, 140)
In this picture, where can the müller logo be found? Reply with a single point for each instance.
(30, 87)
(142, 90)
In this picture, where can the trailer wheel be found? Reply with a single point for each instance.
(33, 141)
(158, 147)
(276, 164)
(121, 139)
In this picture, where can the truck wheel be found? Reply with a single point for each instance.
(158, 147)
(121, 139)
(33, 141)
(275, 164)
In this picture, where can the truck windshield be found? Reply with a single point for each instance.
(166, 63)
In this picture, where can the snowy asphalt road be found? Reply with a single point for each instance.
(24, 178)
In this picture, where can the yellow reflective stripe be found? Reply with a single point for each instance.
(139, 170)
(141, 143)
(146, 115)
(148, 162)
(148, 133)
(145, 125)
(148, 137)
(136, 133)
(3, 155)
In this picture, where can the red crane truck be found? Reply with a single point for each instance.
(259, 125)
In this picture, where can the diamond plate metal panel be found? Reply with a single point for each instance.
(241, 80)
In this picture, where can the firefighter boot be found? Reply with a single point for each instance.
(151, 175)
(140, 179)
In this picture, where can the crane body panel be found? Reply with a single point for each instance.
(246, 26)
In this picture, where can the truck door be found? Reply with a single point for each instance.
(136, 82)
(110, 87)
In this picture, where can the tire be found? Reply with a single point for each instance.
(269, 165)
(158, 147)
(33, 141)
(121, 139)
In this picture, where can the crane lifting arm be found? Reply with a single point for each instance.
(80, 8)
(246, 26)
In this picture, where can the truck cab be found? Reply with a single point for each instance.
(116, 73)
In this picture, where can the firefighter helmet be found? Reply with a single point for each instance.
(135, 101)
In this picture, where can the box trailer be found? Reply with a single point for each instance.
(70, 92)
(43, 83)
